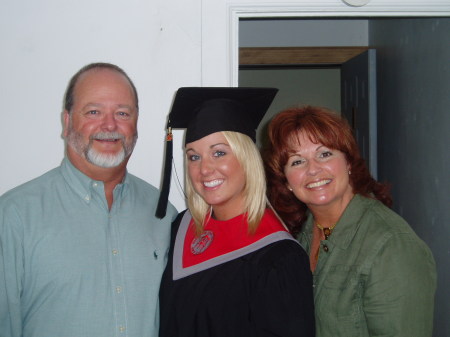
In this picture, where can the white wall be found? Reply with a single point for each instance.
(44, 42)
(161, 44)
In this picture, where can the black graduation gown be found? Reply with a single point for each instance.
(267, 292)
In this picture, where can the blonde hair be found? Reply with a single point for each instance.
(250, 160)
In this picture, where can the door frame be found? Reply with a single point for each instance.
(392, 8)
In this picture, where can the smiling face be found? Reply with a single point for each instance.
(101, 128)
(318, 176)
(216, 175)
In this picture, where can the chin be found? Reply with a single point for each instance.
(106, 160)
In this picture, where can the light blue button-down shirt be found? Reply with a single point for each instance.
(69, 266)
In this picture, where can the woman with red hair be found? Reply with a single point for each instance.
(373, 276)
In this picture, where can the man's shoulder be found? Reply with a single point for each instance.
(150, 193)
(32, 187)
(141, 185)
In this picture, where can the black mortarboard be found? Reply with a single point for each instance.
(203, 111)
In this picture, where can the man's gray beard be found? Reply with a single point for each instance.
(105, 160)
(75, 141)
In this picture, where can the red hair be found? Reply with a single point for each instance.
(327, 128)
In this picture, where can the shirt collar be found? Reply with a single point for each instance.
(348, 224)
(84, 186)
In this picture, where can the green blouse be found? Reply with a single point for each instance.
(374, 276)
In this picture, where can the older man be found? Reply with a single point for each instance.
(81, 252)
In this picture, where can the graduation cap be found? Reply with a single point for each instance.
(203, 111)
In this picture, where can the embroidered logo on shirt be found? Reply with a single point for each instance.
(200, 244)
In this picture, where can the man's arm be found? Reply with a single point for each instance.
(11, 271)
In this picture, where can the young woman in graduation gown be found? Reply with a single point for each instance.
(233, 268)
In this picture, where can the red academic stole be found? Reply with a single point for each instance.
(224, 237)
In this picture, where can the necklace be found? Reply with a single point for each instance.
(326, 230)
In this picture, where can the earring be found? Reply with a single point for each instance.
(290, 188)
(349, 172)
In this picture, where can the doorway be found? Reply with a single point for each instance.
(304, 63)
(413, 123)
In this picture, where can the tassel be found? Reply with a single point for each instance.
(165, 187)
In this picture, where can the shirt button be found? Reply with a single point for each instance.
(95, 184)
(325, 248)
(115, 251)
(118, 290)
(121, 328)
(86, 198)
